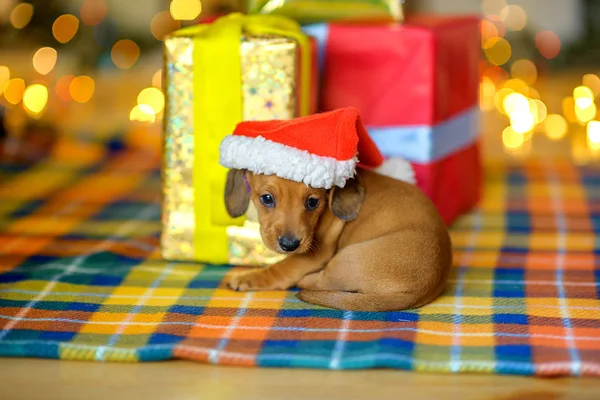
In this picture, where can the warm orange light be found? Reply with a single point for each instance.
(524, 70)
(4, 77)
(511, 139)
(487, 91)
(498, 51)
(125, 53)
(65, 27)
(488, 31)
(157, 79)
(548, 44)
(82, 89)
(163, 24)
(517, 85)
(21, 15)
(152, 97)
(556, 126)
(584, 97)
(44, 60)
(63, 86)
(538, 110)
(13, 90)
(185, 10)
(593, 82)
(93, 12)
(587, 114)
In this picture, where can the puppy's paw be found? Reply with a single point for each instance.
(253, 280)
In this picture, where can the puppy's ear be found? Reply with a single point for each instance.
(345, 202)
(237, 195)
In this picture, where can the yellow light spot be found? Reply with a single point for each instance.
(488, 31)
(593, 132)
(493, 6)
(65, 27)
(13, 90)
(125, 53)
(499, 98)
(185, 10)
(517, 85)
(534, 94)
(21, 15)
(584, 97)
(487, 90)
(153, 98)
(548, 44)
(157, 79)
(93, 12)
(514, 103)
(511, 139)
(82, 89)
(163, 24)
(514, 17)
(593, 82)
(522, 121)
(4, 77)
(556, 126)
(44, 60)
(538, 110)
(586, 114)
(568, 106)
(35, 98)
(142, 113)
(62, 87)
(524, 70)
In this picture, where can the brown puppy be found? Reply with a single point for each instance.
(378, 244)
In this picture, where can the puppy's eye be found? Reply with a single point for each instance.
(312, 203)
(267, 200)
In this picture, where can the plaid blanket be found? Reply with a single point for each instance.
(80, 278)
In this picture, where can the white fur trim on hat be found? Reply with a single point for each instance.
(263, 156)
(398, 168)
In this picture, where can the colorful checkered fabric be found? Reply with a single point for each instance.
(81, 279)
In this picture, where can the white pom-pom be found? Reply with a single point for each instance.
(398, 168)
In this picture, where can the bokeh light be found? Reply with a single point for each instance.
(585, 115)
(522, 121)
(514, 17)
(65, 27)
(185, 10)
(498, 51)
(13, 90)
(534, 94)
(44, 60)
(499, 98)
(93, 12)
(593, 132)
(538, 110)
(157, 79)
(125, 53)
(584, 97)
(517, 85)
(497, 22)
(21, 15)
(593, 82)
(493, 6)
(82, 89)
(515, 102)
(568, 107)
(142, 113)
(511, 139)
(63, 85)
(548, 44)
(524, 70)
(4, 77)
(487, 91)
(152, 97)
(488, 30)
(163, 24)
(35, 98)
(556, 126)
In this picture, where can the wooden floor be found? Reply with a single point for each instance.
(47, 379)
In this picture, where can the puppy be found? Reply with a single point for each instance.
(378, 244)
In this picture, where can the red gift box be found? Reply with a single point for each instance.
(417, 86)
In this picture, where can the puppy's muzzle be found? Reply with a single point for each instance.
(288, 243)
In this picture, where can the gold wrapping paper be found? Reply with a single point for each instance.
(269, 91)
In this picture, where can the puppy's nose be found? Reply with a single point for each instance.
(288, 243)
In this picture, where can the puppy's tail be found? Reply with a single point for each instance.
(361, 302)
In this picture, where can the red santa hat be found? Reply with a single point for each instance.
(321, 150)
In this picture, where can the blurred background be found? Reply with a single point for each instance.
(75, 74)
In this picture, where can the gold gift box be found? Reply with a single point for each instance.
(270, 90)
